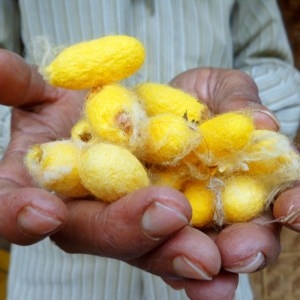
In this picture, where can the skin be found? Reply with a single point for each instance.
(144, 228)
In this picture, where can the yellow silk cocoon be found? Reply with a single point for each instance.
(154, 134)
(110, 172)
(96, 62)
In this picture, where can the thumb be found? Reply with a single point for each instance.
(29, 214)
(224, 90)
(127, 228)
(20, 83)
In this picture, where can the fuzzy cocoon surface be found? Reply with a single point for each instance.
(154, 134)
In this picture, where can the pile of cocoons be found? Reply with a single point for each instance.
(129, 138)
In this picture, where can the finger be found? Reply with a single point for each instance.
(287, 208)
(248, 247)
(225, 90)
(177, 283)
(21, 84)
(222, 286)
(127, 228)
(187, 254)
(29, 214)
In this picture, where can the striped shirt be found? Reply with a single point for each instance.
(177, 35)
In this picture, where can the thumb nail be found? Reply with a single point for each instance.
(249, 265)
(34, 221)
(160, 220)
(264, 119)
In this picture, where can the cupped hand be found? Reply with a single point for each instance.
(148, 228)
(244, 247)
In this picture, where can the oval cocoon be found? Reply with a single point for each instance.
(243, 198)
(54, 166)
(161, 98)
(110, 172)
(202, 202)
(96, 62)
(113, 113)
(167, 138)
(226, 133)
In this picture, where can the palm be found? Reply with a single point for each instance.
(49, 120)
(39, 123)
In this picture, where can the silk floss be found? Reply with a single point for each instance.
(153, 134)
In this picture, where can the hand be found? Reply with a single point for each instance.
(244, 247)
(148, 229)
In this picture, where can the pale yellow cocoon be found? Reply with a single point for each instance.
(225, 134)
(243, 198)
(114, 114)
(156, 134)
(202, 201)
(268, 152)
(166, 138)
(54, 166)
(96, 62)
(110, 172)
(161, 98)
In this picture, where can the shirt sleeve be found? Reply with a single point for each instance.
(9, 26)
(262, 50)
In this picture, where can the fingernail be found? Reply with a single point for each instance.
(34, 221)
(269, 115)
(249, 265)
(185, 268)
(160, 220)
